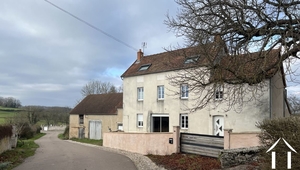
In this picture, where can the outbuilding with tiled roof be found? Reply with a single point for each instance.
(96, 114)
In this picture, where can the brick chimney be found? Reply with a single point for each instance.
(139, 56)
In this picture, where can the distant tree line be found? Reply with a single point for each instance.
(10, 102)
(29, 119)
(48, 115)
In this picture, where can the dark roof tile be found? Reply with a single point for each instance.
(99, 104)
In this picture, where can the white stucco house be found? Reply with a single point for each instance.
(150, 106)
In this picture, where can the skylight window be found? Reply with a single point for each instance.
(144, 67)
(192, 59)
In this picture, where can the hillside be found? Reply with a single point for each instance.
(6, 112)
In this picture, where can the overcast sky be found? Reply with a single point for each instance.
(47, 56)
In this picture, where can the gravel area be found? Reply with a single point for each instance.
(141, 162)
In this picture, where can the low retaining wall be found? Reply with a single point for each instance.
(144, 143)
(240, 140)
(234, 157)
(53, 128)
(7, 143)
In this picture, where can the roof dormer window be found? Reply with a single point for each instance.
(192, 59)
(144, 67)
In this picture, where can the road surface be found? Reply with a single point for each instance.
(57, 154)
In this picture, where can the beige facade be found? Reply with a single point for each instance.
(200, 121)
(107, 121)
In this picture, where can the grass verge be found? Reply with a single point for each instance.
(85, 140)
(25, 148)
(89, 141)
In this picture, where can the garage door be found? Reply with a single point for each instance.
(95, 129)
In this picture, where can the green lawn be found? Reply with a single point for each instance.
(7, 113)
(89, 141)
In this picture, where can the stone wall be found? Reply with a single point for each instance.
(5, 144)
(234, 157)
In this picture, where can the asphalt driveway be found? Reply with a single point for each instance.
(57, 154)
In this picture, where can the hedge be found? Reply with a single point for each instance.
(5, 131)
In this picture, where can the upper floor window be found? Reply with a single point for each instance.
(192, 59)
(81, 119)
(144, 67)
(140, 120)
(219, 92)
(140, 93)
(184, 121)
(160, 92)
(184, 91)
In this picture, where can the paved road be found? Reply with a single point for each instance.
(56, 154)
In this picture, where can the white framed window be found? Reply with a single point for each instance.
(140, 120)
(120, 126)
(184, 121)
(184, 91)
(219, 92)
(140, 93)
(160, 92)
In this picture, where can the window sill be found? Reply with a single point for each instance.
(160, 99)
(140, 126)
(184, 98)
(140, 100)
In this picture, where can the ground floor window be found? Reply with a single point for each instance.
(120, 126)
(159, 123)
(184, 121)
(140, 120)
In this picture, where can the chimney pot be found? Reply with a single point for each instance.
(139, 55)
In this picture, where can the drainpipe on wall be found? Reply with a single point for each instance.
(229, 132)
(284, 101)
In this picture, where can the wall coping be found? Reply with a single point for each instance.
(149, 133)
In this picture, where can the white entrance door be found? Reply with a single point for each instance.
(218, 125)
(95, 129)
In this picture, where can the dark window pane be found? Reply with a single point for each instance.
(164, 124)
(156, 124)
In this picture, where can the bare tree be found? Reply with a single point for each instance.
(294, 103)
(240, 43)
(20, 120)
(98, 87)
(34, 113)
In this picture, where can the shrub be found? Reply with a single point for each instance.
(66, 133)
(28, 131)
(38, 129)
(272, 130)
(5, 131)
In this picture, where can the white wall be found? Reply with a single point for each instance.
(200, 121)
